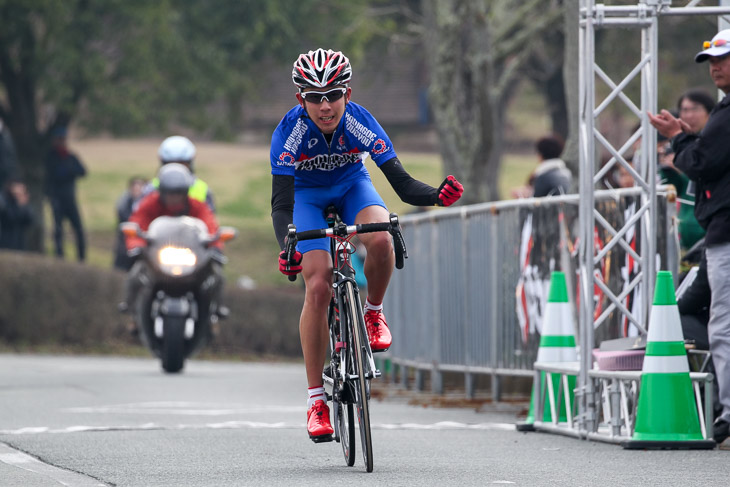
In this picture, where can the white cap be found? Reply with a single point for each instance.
(716, 50)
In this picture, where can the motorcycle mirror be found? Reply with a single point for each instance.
(227, 233)
(129, 229)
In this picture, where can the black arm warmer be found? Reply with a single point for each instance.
(282, 205)
(409, 190)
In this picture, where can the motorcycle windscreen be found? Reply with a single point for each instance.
(176, 243)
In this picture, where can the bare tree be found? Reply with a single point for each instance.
(478, 53)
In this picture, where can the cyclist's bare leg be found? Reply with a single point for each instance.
(313, 332)
(380, 259)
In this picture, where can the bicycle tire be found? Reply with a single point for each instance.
(361, 389)
(346, 417)
(341, 397)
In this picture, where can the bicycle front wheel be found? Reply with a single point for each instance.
(346, 420)
(341, 391)
(361, 383)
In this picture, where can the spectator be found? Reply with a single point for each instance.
(63, 168)
(694, 107)
(125, 204)
(690, 231)
(15, 215)
(552, 176)
(704, 159)
(623, 177)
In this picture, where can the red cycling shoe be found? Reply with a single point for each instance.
(378, 332)
(318, 422)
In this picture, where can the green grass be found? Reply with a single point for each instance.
(240, 179)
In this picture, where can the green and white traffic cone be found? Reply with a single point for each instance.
(666, 414)
(557, 345)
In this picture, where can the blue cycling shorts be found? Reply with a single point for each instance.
(349, 197)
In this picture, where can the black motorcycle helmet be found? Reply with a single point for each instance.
(175, 181)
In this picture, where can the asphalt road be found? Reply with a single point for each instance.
(103, 421)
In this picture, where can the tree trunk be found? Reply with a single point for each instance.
(556, 103)
(32, 170)
(572, 84)
(457, 40)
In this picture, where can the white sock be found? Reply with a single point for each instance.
(316, 394)
(374, 307)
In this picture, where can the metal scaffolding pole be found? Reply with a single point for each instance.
(643, 16)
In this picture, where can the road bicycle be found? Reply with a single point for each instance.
(351, 366)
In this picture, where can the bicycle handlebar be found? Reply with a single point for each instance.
(342, 230)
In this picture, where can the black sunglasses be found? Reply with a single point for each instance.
(318, 97)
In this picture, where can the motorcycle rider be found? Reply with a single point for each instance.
(172, 198)
(179, 149)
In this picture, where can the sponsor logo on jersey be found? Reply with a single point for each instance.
(341, 144)
(312, 143)
(328, 162)
(379, 147)
(363, 134)
(285, 159)
(294, 141)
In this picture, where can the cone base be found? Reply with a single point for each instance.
(525, 427)
(669, 445)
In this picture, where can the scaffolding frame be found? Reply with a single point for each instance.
(643, 16)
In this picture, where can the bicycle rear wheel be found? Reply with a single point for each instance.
(361, 385)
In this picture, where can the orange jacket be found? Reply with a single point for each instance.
(151, 207)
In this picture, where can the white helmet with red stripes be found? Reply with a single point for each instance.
(321, 69)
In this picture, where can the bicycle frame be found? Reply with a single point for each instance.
(346, 292)
(352, 366)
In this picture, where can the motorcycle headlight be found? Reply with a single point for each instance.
(176, 261)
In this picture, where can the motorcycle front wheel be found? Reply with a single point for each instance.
(173, 344)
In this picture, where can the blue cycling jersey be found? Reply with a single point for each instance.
(299, 149)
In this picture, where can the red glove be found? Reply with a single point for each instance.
(290, 268)
(450, 191)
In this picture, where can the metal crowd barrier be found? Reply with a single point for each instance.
(616, 398)
(469, 298)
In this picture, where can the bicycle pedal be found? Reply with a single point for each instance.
(322, 438)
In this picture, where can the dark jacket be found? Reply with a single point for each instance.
(125, 207)
(705, 159)
(552, 177)
(14, 220)
(151, 207)
(62, 171)
(696, 298)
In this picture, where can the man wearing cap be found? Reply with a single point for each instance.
(705, 159)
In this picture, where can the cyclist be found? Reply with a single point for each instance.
(181, 150)
(317, 156)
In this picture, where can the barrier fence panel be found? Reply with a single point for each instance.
(471, 295)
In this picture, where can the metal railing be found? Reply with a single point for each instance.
(469, 299)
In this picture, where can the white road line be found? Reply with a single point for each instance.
(16, 458)
(182, 409)
(444, 425)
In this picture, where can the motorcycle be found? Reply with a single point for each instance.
(177, 306)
